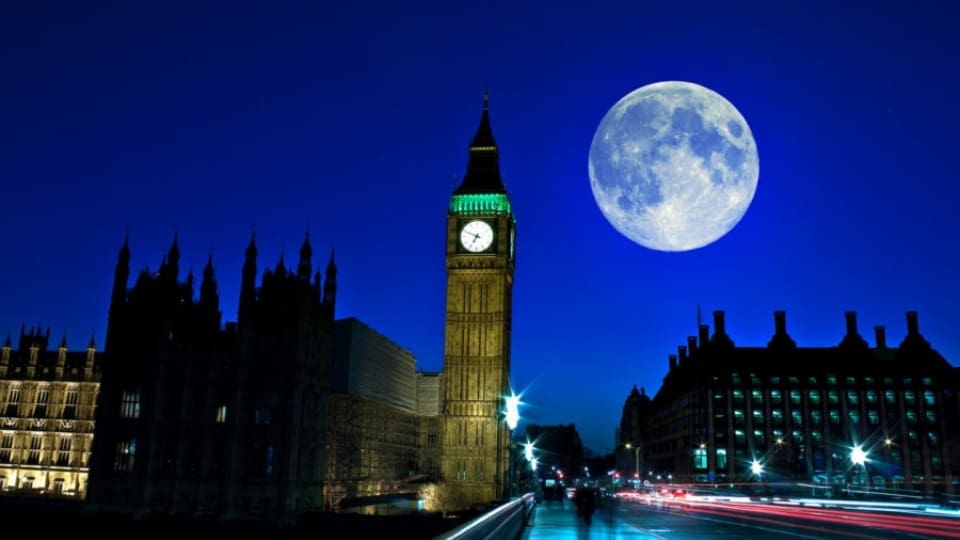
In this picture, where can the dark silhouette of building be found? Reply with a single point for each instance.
(630, 434)
(46, 416)
(802, 413)
(559, 450)
(194, 418)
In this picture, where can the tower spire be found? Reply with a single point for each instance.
(483, 165)
(304, 268)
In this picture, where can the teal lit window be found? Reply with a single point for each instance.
(871, 396)
(796, 417)
(721, 458)
(831, 380)
(816, 417)
(738, 416)
(834, 416)
(931, 417)
(757, 417)
(852, 397)
(477, 203)
(851, 381)
(854, 417)
(700, 458)
(909, 397)
(795, 397)
(868, 380)
(874, 417)
(738, 396)
(774, 380)
(833, 397)
(776, 397)
(757, 397)
(739, 436)
(759, 438)
(814, 397)
(929, 397)
(794, 381)
(927, 381)
(911, 417)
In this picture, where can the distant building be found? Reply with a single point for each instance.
(802, 413)
(46, 416)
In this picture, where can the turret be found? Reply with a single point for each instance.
(120, 275)
(330, 284)
(781, 339)
(304, 268)
(852, 339)
(209, 303)
(171, 269)
(248, 284)
(720, 337)
(483, 165)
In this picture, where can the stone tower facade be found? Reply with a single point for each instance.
(480, 256)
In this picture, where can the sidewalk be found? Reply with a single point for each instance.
(557, 520)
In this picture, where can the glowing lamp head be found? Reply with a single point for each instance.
(528, 451)
(756, 468)
(858, 456)
(513, 411)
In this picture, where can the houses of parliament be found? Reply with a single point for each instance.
(288, 409)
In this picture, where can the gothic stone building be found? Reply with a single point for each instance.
(46, 416)
(195, 418)
(800, 412)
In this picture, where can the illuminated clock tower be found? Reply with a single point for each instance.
(476, 351)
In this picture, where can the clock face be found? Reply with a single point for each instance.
(476, 236)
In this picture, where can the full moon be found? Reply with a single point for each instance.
(673, 166)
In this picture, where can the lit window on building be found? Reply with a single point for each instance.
(816, 436)
(816, 418)
(13, 401)
(776, 397)
(36, 444)
(890, 396)
(931, 417)
(63, 454)
(796, 417)
(851, 381)
(126, 451)
(888, 381)
(27, 482)
(927, 381)
(834, 416)
(70, 404)
(854, 417)
(814, 397)
(871, 396)
(757, 397)
(58, 485)
(735, 377)
(754, 380)
(738, 396)
(797, 436)
(929, 397)
(777, 415)
(812, 381)
(868, 380)
(43, 399)
(6, 448)
(700, 458)
(759, 438)
(852, 397)
(794, 381)
(221, 414)
(909, 397)
(874, 417)
(738, 417)
(130, 404)
(721, 458)
(914, 438)
(739, 436)
(757, 417)
(832, 380)
(833, 397)
(775, 380)
(907, 381)
(795, 397)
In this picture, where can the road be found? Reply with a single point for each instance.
(728, 520)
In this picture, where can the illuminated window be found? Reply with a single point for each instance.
(812, 381)
(797, 436)
(833, 397)
(874, 417)
(6, 448)
(738, 396)
(795, 397)
(70, 404)
(738, 416)
(927, 381)
(63, 454)
(754, 380)
(735, 377)
(815, 417)
(912, 417)
(932, 438)
(794, 381)
(868, 380)
(852, 397)
(758, 437)
(58, 485)
(43, 398)
(721, 458)
(775, 380)
(854, 417)
(739, 436)
(814, 397)
(890, 396)
(909, 397)
(931, 417)
(796, 417)
(871, 396)
(36, 444)
(777, 415)
(831, 380)
(757, 397)
(130, 404)
(834, 416)
(907, 381)
(776, 397)
(757, 417)
(126, 451)
(929, 397)
(816, 436)
(13, 401)
(851, 381)
(221, 414)
(700, 458)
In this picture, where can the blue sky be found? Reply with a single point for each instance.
(353, 119)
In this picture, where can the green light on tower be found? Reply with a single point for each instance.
(480, 203)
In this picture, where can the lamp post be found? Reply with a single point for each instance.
(636, 463)
(859, 457)
(512, 418)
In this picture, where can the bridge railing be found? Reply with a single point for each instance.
(504, 522)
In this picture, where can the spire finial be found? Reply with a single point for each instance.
(486, 96)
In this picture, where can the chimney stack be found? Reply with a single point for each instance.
(704, 335)
(851, 322)
(912, 327)
(881, 334)
(682, 353)
(673, 361)
(780, 322)
(691, 344)
(718, 326)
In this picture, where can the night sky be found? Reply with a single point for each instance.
(353, 119)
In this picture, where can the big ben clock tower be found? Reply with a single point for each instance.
(476, 351)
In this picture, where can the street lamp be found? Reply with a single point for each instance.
(859, 457)
(512, 418)
(636, 464)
